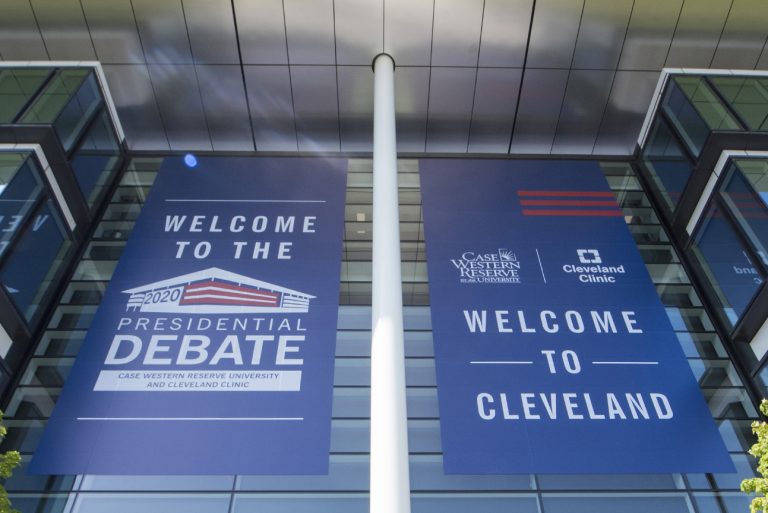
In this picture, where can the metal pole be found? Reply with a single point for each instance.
(390, 486)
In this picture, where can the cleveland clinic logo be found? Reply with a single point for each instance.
(500, 266)
(215, 290)
(589, 256)
(591, 268)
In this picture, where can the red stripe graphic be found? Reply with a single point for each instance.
(220, 293)
(567, 212)
(225, 301)
(585, 194)
(568, 203)
(218, 285)
(554, 199)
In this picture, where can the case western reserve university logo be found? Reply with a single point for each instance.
(500, 266)
(213, 291)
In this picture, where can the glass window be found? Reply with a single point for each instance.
(20, 187)
(695, 111)
(748, 97)
(95, 161)
(17, 87)
(151, 503)
(733, 502)
(626, 503)
(762, 379)
(156, 483)
(610, 481)
(745, 192)
(337, 503)
(55, 96)
(67, 102)
(476, 503)
(668, 165)
(31, 268)
(726, 264)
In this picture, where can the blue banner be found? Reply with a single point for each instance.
(552, 349)
(212, 351)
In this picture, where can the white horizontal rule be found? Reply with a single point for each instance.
(198, 381)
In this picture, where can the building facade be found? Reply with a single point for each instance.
(687, 171)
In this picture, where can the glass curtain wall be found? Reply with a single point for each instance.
(345, 489)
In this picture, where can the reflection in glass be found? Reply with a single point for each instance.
(95, 161)
(17, 87)
(20, 188)
(726, 264)
(625, 503)
(695, 111)
(68, 101)
(748, 96)
(35, 261)
(668, 165)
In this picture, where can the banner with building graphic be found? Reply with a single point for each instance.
(553, 352)
(212, 351)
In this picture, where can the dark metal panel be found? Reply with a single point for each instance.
(601, 34)
(505, 32)
(625, 112)
(411, 97)
(494, 110)
(408, 31)
(356, 107)
(271, 103)
(225, 107)
(585, 100)
(649, 34)
(163, 31)
(261, 28)
(316, 107)
(359, 30)
(744, 35)
(456, 36)
(20, 39)
(542, 95)
(134, 98)
(553, 34)
(211, 31)
(698, 30)
(113, 30)
(451, 91)
(309, 25)
(180, 107)
(64, 30)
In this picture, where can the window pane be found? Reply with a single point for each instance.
(695, 111)
(151, 503)
(726, 264)
(20, 186)
(35, 261)
(476, 503)
(95, 161)
(747, 205)
(55, 96)
(16, 88)
(625, 503)
(67, 102)
(748, 96)
(667, 164)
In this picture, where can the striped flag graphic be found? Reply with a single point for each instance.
(219, 293)
(569, 203)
